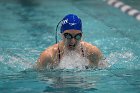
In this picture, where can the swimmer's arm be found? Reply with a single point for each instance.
(95, 56)
(43, 60)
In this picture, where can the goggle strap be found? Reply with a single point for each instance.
(56, 31)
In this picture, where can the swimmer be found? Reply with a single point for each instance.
(71, 31)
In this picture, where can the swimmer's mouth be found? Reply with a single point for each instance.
(72, 45)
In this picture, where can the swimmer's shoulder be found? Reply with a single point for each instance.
(47, 55)
(90, 48)
(51, 50)
(88, 45)
(93, 53)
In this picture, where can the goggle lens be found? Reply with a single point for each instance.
(69, 36)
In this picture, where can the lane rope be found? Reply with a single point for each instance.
(125, 8)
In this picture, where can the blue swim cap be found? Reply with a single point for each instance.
(71, 21)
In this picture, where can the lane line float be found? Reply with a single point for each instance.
(125, 8)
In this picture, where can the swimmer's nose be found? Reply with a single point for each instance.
(73, 41)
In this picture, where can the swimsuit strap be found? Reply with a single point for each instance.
(59, 54)
(82, 51)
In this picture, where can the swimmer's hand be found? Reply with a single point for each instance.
(103, 63)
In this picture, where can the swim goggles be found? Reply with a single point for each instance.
(69, 36)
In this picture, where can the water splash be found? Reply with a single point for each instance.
(12, 61)
(72, 60)
(125, 59)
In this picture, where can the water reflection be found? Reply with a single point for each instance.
(70, 81)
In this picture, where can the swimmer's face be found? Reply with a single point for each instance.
(72, 38)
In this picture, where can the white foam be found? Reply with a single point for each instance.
(72, 60)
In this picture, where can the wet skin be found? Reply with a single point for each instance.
(70, 42)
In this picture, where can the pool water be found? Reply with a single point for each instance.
(27, 27)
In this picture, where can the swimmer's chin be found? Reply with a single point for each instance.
(71, 47)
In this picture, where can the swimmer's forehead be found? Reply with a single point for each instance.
(72, 31)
